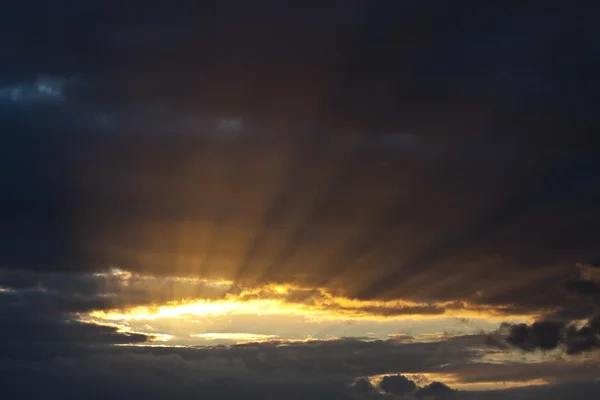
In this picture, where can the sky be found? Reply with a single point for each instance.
(288, 200)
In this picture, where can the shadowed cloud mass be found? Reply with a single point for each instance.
(274, 198)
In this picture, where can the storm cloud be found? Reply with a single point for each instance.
(548, 335)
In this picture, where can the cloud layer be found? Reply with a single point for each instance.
(397, 159)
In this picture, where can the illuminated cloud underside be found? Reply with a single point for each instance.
(312, 303)
(286, 312)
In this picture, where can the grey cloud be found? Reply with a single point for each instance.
(585, 338)
(549, 335)
(156, 376)
(437, 390)
(356, 357)
(106, 289)
(32, 329)
(52, 302)
(334, 178)
(587, 288)
(28, 335)
(397, 385)
(584, 390)
(219, 373)
(544, 335)
(38, 314)
(363, 385)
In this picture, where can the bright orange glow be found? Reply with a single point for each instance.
(278, 300)
(239, 337)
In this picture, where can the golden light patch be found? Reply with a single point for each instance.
(238, 337)
(199, 308)
(497, 385)
(324, 306)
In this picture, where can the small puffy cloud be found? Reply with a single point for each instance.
(397, 385)
(543, 335)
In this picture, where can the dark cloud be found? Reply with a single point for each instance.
(156, 377)
(219, 373)
(394, 150)
(548, 335)
(34, 329)
(326, 369)
(32, 336)
(350, 358)
(544, 335)
(39, 314)
(363, 385)
(585, 338)
(195, 155)
(397, 385)
(436, 390)
(588, 288)
(56, 292)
